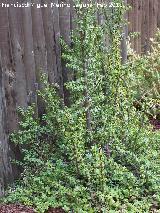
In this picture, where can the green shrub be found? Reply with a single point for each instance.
(147, 68)
(97, 154)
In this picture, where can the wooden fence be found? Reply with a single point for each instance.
(143, 18)
(29, 44)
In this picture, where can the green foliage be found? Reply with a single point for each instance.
(147, 85)
(98, 154)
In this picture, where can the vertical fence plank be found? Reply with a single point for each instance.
(65, 28)
(135, 22)
(6, 172)
(158, 14)
(17, 42)
(29, 61)
(144, 26)
(57, 34)
(39, 45)
(130, 21)
(139, 25)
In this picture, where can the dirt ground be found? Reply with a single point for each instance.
(17, 208)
